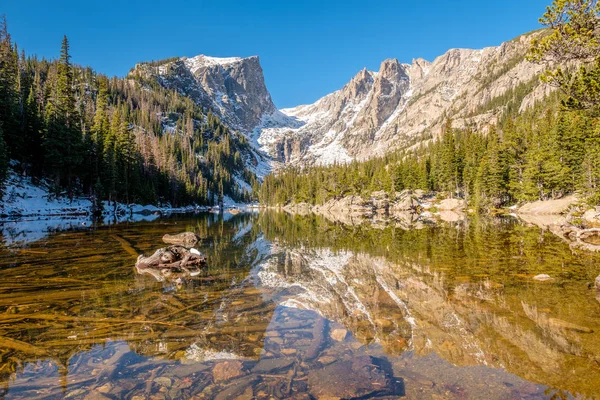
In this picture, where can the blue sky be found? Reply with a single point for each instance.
(307, 48)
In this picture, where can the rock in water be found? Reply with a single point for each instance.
(363, 376)
(227, 370)
(338, 334)
(183, 239)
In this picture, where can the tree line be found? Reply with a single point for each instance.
(116, 139)
(539, 155)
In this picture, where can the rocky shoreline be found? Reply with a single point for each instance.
(406, 208)
(568, 217)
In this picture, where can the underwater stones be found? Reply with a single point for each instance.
(163, 381)
(272, 364)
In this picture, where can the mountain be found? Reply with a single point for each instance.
(403, 104)
(399, 106)
(232, 88)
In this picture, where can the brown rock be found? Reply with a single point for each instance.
(182, 239)
(452, 205)
(326, 360)
(227, 370)
(338, 334)
(360, 377)
(272, 364)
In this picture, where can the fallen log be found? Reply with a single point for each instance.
(172, 257)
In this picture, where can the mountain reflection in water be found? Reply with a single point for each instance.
(299, 307)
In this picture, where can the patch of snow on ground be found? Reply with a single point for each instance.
(331, 153)
(24, 198)
(242, 184)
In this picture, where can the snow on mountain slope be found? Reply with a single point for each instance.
(401, 105)
(232, 88)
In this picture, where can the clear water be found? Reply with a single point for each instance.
(299, 307)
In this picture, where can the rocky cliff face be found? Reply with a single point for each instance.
(232, 88)
(404, 104)
(399, 106)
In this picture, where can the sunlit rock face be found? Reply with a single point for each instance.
(402, 105)
(231, 88)
(399, 106)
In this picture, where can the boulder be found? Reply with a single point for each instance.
(380, 200)
(451, 216)
(407, 203)
(338, 334)
(419, 194)
(354, 204)
(598, 283)
(549, 207)
(591, 216)
(543, 278)
(452, 205)
(188, 239)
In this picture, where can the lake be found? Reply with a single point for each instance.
(298, 307)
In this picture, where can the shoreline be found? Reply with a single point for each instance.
(24, 199)
(568, 218)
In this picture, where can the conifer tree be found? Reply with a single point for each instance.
(63, 141)
(9, 96)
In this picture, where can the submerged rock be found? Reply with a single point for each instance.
(187, 239)
(227, 370)
(363, 376)
(338, 334)
(543, 278)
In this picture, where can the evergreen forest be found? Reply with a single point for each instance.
(112, 139)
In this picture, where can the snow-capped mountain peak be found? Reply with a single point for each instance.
(375, 112)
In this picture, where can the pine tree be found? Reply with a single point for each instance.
(9, 95)
(63, 142)
(3, 162)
